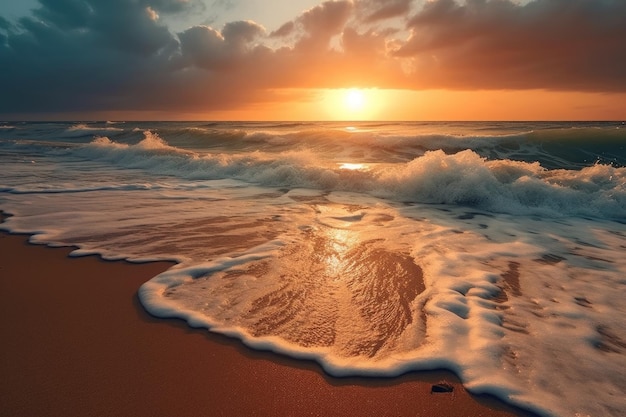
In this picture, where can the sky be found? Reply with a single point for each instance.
(313, 60)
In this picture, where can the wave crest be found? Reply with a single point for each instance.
(462, 178)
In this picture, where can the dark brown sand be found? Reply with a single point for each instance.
(76, 342)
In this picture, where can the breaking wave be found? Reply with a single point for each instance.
(463, 178)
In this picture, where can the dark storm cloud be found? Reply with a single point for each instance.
(118, 55)
(5, 26)
(77, 55)
(174, 6)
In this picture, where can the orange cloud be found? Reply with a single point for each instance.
(549, 44)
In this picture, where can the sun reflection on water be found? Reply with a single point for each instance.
(340, 241)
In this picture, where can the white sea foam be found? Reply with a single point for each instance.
(301, 251)
(84, 127)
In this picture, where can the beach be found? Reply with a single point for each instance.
(334, 266)
(76, 341)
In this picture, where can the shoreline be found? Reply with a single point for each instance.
(78, 342)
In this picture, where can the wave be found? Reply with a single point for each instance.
(553, 147)
(83, 129)
(461, 178)
(76, 190)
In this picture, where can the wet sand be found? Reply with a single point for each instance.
(76, 341)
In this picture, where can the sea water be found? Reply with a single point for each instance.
(494, 250)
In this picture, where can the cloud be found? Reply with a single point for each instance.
(316, 26)
(119, 55)
(173, 6)
(376, 10)
(207, 48)
(75, 55)
(202, 46)
(285, 30)
(7, 27)
(323, 22)
(550, 44)
(240, 33)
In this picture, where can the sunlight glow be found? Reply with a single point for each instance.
(353, 166)
(353, 103)
(355, 100)
(402, 105)
(340, 241)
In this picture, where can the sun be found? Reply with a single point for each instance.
(355, 100)
(353, 103)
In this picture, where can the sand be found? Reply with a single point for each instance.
(76, 341)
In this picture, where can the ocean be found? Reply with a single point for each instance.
(491, 249)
